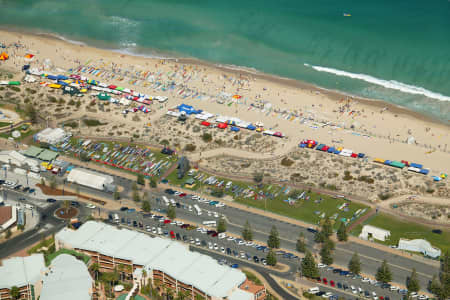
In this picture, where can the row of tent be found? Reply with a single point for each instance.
(225, 125)
(413, 167)
(78, 81)
(324, 148)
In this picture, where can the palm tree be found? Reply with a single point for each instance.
(14, 292)
(66, 205)
(95, 267)
(122, 270)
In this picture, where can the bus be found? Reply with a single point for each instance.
(198, 209)
(210, 223)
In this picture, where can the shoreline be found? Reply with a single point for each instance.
(334, 95)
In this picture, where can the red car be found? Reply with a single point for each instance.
(182, 195)
(184, 226)
(325, 281)
(172, 235)
(331, 282)
(167, 221)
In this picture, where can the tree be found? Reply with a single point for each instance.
(309, 266)
(140, 179)
(319, 237)
(221, 225)
(354, 265)
(274, 239)
(53, 182)
(327, 227)
(146, 206)
(441, 288)
(95, 267)
(412, 283)
(31, 113)
(384, 273)
(325, 255)
(116, 194)
(207, 137)
(329, 243)
(435, 286)
(153, 183)
(145, 196)
(301, 244)
(247, 233)
(66, 206)
(342, 233)
(134, 186)
(136, 196)
(171, 214)
(258, 177)
(271, 258)
(14, 292)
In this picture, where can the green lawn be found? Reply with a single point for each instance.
(49, 258)
(4, 124)
(45, 243)
(307, 211)
(408, 230)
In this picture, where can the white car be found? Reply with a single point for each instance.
(393, 288)
(216, 247)
(177, 193)
(423, 297)
(210, 245)
(249, 243)
(354, 291)
(154, 230)
(173, 223)
(192, 241)
(216, 215)
(89, 205)
(220, 205)
(327, 295)
(241, 243)
(222, 249)
(320, 265)
(365, 279)
(195, 197)
(179, 223)
(197, 242)
(230, 238)
(372, 281)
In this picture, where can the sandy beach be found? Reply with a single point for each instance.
(298, 110)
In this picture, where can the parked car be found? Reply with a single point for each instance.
(51, 200)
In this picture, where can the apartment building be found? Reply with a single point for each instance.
(164, 261)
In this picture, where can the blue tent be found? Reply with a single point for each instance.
(62, 77)
(234, 128)
(436, 178)
(336, 151)
(387, 162)
(62, 83)
(251, 127)
(302, 145)
(331, 150)
(189, 110)
(418, 166)
(424, 171)
(51, 77)
(361, 155)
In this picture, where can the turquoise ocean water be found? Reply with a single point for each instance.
(394, 50)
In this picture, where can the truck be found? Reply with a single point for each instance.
(198, 210)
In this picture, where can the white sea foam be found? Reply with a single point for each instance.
(390, 84)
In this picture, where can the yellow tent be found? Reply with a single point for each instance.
(54, 86)
(4, 56)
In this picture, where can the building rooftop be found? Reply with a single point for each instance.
(241, 295)
(48, 155)
(20, 271)
(67, 278)
(171, 257)
(33, 151)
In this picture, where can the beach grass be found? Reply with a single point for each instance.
(408, 230)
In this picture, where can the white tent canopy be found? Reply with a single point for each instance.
(419, 245)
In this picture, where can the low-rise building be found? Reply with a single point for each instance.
(371, 232)
(91, 179)
(24, 273)
(51, 136)
(8, 217)
(165, 262)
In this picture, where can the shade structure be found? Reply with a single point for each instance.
(112, 86)
(204, 123)
(222, 125)
(234, 128)
(103, 96)
(119, 88)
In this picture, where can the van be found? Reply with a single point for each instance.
(313, 290)
(222, 235)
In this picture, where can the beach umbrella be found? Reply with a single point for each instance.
(4, 56)
(237, 96)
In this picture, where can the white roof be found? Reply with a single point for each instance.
(419, 245)
(20, 271)
(171, 257)
(51, 135)
(67, 278)
(89, 178)
(241, 295)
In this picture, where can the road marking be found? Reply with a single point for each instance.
(378, 260)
